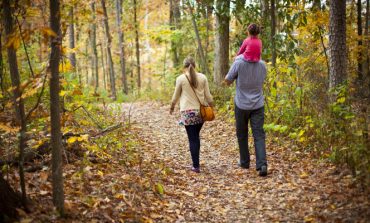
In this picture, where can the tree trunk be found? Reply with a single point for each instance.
(87, 58)
(56, 136)
(103, 65)
(137, 44)
(209, 28)
(273, 32)
(359, 32)
(109, 53)
(94, 60)
(367, 43)
(72, 55)
(337, 43)
(9, 201)
(221, 63)
(17, 99)
(175, 24)
(199, 41)
(121, 45)
(1, 64)
(316, 5)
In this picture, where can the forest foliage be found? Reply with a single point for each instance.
(107, 58)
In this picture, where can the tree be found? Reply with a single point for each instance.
(221, 62)
(337, 43)
(175, 17)
(199, 41)
(94, 58)
(121, 45)
(273, 32)
(72, 55)
(359, 32)
(17, 93)
(56, 136)
(109, 53)
(137, 45)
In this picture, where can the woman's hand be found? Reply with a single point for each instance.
(172, 108)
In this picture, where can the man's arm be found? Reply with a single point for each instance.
(232, 74)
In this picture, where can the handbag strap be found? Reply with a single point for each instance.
(193, 90)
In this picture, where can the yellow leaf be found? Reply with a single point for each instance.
(100, 173)
(303, 175)
(49, 32)
(62, 93)
(71, 140)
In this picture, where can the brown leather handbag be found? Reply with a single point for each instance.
(206, 112)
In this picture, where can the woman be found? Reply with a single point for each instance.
(187, 85)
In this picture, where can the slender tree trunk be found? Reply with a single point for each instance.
(316, 5)
(56, 136)
(174, 13)
(273, 32)
(359, 32)
(137, 44)
(94, 60)
(367, 43)
(209, 28)
(221, 62)
(1, 64)
(121, 45)
(109, 53)
(72, 55)
(337, 43)
(87, 58)
(199, 41)
(17, 99)
(103, 65)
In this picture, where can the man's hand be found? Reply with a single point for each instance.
(227, 82)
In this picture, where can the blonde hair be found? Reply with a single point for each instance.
(189, 63)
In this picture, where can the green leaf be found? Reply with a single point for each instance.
(160, 188)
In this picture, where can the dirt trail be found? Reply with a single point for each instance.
(298, 187)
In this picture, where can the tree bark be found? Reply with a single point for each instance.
(17, 95)
(121, 45)
(94, 57)
(221, 64)
(1, 64)
(273, 32)
(209, 28)
(199, 41)
(337, 43)
(9, 200)
(367, 42)
(175, 17)
(72, 55)
(56, 136)
(359, 32)
(137, 44)
(109, 53)
(103, 65)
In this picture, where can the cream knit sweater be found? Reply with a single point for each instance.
(185, 93)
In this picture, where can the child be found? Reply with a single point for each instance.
(252, 46)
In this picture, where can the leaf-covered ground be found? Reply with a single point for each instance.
(151, 181)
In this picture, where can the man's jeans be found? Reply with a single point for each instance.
(194, 142)
(256, 118)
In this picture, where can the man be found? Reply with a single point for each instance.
(249, 105)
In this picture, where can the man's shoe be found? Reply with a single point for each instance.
(263, 171)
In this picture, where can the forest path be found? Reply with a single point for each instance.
(298, 188)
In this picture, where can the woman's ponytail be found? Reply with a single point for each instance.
(189, 63)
